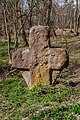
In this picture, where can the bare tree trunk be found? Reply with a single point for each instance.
(24, 37)
(71, 16)
(48, 18)
(23, 30)
(30, 4)
(49, 12)
(16, 36)
(7, 32)
(4, 25)
(15, 15)
(76, 19)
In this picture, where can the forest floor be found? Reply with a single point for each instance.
(61, 102)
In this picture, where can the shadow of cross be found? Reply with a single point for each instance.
(39, 63)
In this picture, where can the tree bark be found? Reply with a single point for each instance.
(15, 15)
(23, 30)
(49, 12)
(30, 4)
(76, 19)
(7, 32)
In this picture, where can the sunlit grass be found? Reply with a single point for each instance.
(33, 103)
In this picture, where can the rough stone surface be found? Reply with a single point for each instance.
(44, 63)
(78, 117)
(26, 75)
(64, 32)
(19, 58)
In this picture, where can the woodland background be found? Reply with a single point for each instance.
(61, 102)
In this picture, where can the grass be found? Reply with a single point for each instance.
(61, 102)
(69, 39)
(75, 53)
(3, 53)
(36, 105)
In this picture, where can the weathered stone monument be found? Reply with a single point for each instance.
(39, 63)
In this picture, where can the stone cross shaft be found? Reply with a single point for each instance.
(39, 63)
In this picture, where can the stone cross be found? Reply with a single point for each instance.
(40, 64)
